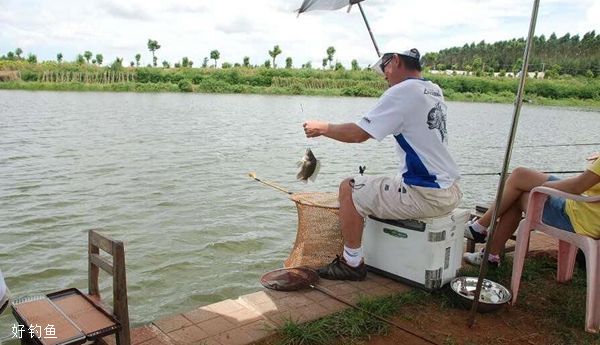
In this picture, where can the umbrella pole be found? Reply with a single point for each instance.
(369, 28)
(513, 132)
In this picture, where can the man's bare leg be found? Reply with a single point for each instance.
(352, 267)
(350, 220)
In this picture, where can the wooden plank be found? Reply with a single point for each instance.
(103, 242)
(120, 304)
(101, 262)
(93, 271)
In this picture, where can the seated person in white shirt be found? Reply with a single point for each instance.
(413, 111)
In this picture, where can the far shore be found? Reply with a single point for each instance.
(501, 97)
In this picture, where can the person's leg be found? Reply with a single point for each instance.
(351, 265)
(508, 224)
(520, 181)
(350, 220)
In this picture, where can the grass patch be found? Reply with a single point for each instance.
(558, 309)
(360, 89)
(350, 325)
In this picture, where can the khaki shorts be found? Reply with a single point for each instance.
(389, 198)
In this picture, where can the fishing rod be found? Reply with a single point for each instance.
(382, 319)
(545, 172)
(549, 145)
(252, 175)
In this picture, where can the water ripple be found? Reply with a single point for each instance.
(167, 175)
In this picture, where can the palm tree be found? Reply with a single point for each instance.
(152, 47)
(330, 53)
(31, 58)
(185, 62)
(87, 55)
(215, 55)
(273, 53)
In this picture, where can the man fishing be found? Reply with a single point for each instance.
(413, 110)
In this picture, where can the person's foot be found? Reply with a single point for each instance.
(477, 257)
(338, 269)
(472, 234)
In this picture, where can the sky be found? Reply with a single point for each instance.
(238, 28)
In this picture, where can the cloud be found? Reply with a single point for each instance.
(236, 26)
(187, 7)
(239, 28)
(128, 11)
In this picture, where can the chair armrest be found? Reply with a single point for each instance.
(556, 192)
(537, 199)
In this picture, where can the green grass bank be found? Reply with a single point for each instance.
(568, 91)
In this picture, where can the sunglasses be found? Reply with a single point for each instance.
(385, 63)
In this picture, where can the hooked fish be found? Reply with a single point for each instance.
(309, 167)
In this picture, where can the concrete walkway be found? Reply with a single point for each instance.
(255, 316)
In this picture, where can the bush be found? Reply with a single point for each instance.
(185, 86)
(361, 91)
(214, 85)
(296, 89)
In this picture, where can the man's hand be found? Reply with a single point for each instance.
(314, 129)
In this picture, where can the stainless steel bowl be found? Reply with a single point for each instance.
(493, 295)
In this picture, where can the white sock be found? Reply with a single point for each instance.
(493, 258)
(479, 228)
(353, 256)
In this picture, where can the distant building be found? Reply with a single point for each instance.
(532, 75)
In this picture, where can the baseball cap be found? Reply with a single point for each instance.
(411, 53)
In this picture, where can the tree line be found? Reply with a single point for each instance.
(569, 54)
(185, 62)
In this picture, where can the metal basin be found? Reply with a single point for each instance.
(493, 295)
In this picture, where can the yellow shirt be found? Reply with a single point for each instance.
(585, 216)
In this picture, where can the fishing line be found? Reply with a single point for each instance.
(545, 172)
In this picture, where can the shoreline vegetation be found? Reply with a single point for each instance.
(22, 75)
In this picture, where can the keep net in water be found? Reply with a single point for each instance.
(319, 237)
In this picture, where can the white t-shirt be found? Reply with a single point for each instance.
(414, 112)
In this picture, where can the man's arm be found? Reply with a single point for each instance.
(577, 184)
(345, 132)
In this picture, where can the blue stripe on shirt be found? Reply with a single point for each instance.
(416, 173)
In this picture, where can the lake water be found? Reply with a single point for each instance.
(167, 174)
